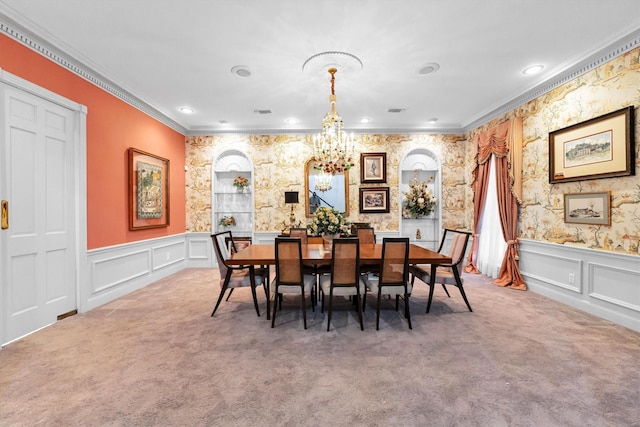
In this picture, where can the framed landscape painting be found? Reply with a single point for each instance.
(602, 147)
(148, 190)
(374, 200)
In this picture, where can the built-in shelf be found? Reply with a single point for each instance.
(227, 200)
(424, 166)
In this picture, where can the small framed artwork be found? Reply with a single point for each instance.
(373, 168)
(588, 208)
(602, 147)
(148, 190)
(374, 200)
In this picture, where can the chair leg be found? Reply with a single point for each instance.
(229, 295)
(255, 299)
(330, 307)
(360, 310)
(222, 291)
(275, 307)
(304, 310)
(407, 314)
(464, 297)
(446, 291)
(430, 296)
(378, 309)
(397, 301)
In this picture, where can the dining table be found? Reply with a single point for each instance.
(318, 254)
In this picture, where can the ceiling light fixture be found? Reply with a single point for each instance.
(365, 120)
(186, 110)
(534, 69)
(291, 121)
(241, 71)
(333, 150)
(427, 69)
(433, 120)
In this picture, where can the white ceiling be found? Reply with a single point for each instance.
(173, 53)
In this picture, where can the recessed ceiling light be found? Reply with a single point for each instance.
(291, 121)
(534, 69)
(365, 120)
(433, 120)
(223, 122)
(186, 110)
(241, 71)
(426, 69)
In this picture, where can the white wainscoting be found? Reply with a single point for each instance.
(605, 284)
(115, 271)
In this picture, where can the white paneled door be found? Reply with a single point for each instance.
(37, 183)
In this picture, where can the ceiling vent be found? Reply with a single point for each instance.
(262, 111)
(396, 110)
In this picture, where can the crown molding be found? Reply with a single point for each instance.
(623, 45)
(23, 35)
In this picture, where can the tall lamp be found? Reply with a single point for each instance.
(291, 197)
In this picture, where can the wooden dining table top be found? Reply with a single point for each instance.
(264, 254)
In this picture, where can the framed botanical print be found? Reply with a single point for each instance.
(374, 200)
(148, 190)
(373, 168)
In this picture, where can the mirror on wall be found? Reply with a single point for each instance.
(336, 197)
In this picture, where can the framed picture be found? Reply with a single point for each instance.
(374, 200)
(148, 190)
(373, 168)
(602, 147)
(588, 208)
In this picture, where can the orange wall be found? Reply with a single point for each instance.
(112, 127)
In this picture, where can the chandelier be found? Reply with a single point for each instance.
(323, 181)
(332, 148)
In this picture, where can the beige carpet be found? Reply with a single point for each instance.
(156, 358)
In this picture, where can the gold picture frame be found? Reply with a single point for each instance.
(148, 190)
(588, 208)
(602, 147)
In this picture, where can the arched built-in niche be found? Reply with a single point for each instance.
(424, 165)
(227, 200)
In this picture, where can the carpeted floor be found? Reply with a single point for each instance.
(156, 358)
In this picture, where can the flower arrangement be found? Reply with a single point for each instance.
(227, 221)
(419, 200)
(329, 221)
(240, 182)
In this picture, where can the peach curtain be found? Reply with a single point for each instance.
(505, 143)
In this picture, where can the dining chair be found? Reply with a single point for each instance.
(232, 277)
(290, 278)
(393, 279)
(344, 278)
(446, 274)
(309, 268)
(299, 232)
(367, 235)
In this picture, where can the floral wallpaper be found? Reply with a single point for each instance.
(279, 164)
(609, 87)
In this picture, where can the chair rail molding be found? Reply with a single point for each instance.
(605, 284)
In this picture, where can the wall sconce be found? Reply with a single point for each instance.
(291, 197)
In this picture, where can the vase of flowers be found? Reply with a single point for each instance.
(240, 182)
(227, 221)
(329, 223)
(418, 201)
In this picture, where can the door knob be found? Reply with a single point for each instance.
(5, 214)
